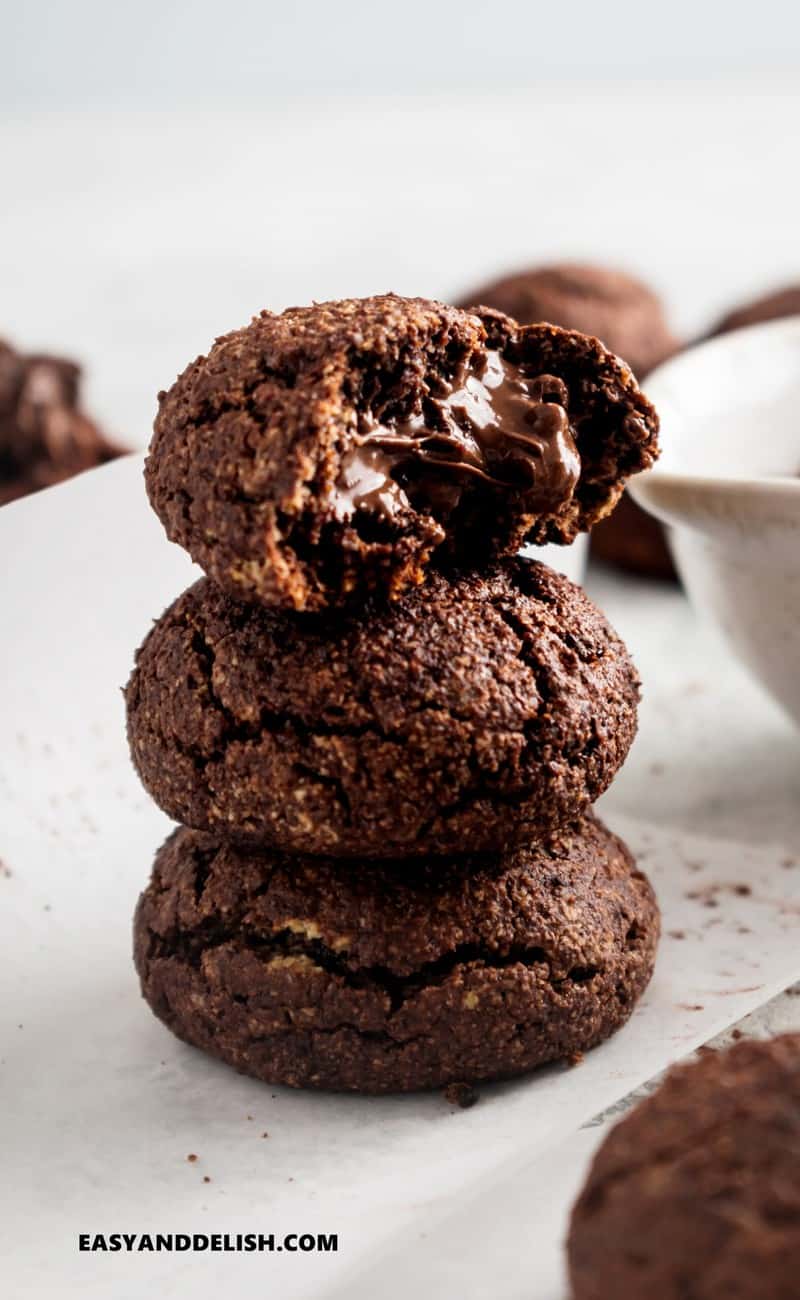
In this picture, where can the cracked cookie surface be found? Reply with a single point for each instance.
(476, 712)
(376, 976)
(696, 1193)
(337, 450)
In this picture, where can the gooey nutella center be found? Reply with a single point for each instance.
(491, 425)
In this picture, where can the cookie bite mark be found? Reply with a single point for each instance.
(490, 423)
(629, 318)
(452, 971)
(335, 452)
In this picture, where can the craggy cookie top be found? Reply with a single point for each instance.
(702, 1182)
(573, 900)
(618, 308)
(334, 450)
(475, 712)
(375, 976)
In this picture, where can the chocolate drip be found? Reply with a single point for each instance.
(493, 425)
(365, 483)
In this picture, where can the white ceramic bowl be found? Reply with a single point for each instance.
(727, 485)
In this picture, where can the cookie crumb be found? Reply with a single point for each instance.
(191, 1157)
(462, 1095)
(708, 895)
(677, 934)
(265, 1134)
(737, 1033)
(206, 1178)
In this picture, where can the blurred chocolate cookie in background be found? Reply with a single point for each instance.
(772, 306)
(629, 318)
(612, 305)
(45, 436)
(696, 1192)
(631, 539)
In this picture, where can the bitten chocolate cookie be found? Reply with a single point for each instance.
(333, 450)
(629, 318)
(475, 712)
(773, 306)
(697, 1192)
(615, 307)
(45, 437)
(381, 977)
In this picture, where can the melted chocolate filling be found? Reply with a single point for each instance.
(492, 426)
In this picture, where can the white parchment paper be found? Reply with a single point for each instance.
(100, 1107)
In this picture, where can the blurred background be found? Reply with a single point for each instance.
(171, 167)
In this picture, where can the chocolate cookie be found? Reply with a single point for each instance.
(615, 307)
(630, 320)
(333, 450)
(476, 712)
(379, 977)
(697, 1192)
(45, 437)
(773, 306)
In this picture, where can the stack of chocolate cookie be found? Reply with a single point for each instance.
(381, 730)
